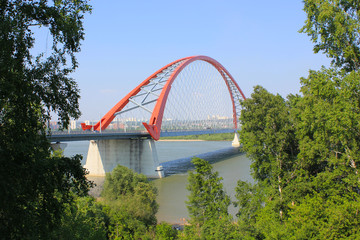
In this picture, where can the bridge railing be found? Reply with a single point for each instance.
(62, 136)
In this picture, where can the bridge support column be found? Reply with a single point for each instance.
(137, 154)
(236, 141)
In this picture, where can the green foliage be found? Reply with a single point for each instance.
(208, 205)
(318, 188)
(220, 228)
(132, 203)
(123, 225)
(334, 27)
(324, 218)
(268, 137)
(34, 186)
(165, 231)
(327, 118)
(83, 219)
(269, 223)
(328, 129)
(305, 149)
(33, 198)
(207, 199)
(250, 199)
(121, 181)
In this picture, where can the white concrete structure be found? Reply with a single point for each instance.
(236, 141)
(72, 124)
(137, 154)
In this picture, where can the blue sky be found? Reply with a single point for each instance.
(256, 41)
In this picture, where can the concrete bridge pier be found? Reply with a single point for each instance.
(236, 141)
(137, 154)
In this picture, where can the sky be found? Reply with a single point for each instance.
(256, 41)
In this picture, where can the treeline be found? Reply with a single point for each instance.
(204, 137)
(305, 149)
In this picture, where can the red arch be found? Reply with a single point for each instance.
(109, 116)
(154, 125)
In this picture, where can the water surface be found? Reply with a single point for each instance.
(175, 156)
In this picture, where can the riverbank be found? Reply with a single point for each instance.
(203, 137)
(180, 140)
(99, 183)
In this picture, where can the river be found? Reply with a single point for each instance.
(175, 156)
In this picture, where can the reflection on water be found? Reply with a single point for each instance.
(172, 189)
(176, 160)
(183, 165)
(172, 150)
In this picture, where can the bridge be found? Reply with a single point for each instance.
(190, 96)
(90, 135)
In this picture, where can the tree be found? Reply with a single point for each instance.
(267, 134)
(35, 186)
(328, 116)
(165, 231)
(268, 137)
(250, 200)
(208, 205)
(132, 202)
(310, 143)
(321, 182)
(324, 126)
(334, 27)
(324, 218)
(83, 219)
(328, 126)
(207, 199)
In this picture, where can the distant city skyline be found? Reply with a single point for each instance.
(126, 41)
(211, 122)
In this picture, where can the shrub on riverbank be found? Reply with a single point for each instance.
(131, 199)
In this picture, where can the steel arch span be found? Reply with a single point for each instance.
(161, 81)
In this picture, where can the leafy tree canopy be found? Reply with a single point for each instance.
(334, 27)
(270, 139)
(83, 219)
(208, 205)
(132, 201)
(322, 128)
(35, 186)
(207, 198)
(165, 231)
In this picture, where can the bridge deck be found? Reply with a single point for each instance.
(88, 135)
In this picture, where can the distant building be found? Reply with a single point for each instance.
(118, 125)
(54, 125)
(72, 124)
